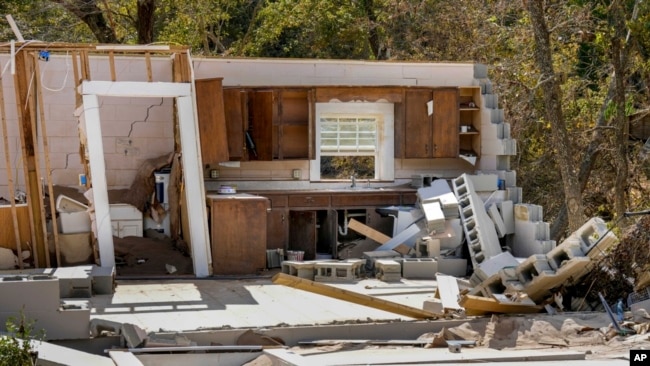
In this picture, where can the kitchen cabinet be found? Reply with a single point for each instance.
(238, 233)
(435, 135)
(470, 120)
(269, 124)
(313, 231)
(211, 120)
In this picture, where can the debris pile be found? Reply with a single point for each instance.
(489, 252)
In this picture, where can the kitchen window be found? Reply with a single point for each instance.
(354, 139)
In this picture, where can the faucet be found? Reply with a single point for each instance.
(354, 181)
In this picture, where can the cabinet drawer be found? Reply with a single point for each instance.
(277, 201)
(365, 200)
(307, 200)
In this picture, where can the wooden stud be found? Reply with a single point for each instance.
(46, 156)
(25, 108)
(10, 179)
(111, 64)
(147, 58)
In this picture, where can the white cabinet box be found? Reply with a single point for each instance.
(126, 220)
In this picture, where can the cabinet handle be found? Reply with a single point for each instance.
(282, 217)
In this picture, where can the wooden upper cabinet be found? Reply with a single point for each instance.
(278, 124)
(292, 124)
(432, 135)
(212, 120)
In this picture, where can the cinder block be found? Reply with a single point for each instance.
(427, 247)
(134, 336)
(492, 265)
(305, 270)
(419, 268)
(103, 280)
(433, 306)
(456, 267)
(31, 293)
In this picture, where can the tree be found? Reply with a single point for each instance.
(552, 99)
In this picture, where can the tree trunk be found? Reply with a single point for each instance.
(561, 143)
(92, 15)
(588, 160)
(620, 123)
(144, 24)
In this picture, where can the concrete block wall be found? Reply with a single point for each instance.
(134, 130)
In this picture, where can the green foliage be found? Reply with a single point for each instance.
(16, 348)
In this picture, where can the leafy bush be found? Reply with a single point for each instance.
(16, 348)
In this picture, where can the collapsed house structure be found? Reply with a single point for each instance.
(228, 157)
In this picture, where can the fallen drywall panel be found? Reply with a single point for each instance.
(353, 297)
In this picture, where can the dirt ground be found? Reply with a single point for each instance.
(150, 257)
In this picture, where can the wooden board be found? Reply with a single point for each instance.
(212, 121)
(368, 232)
(477, 305)
(7, 237)
(448, 291)
(353, 297)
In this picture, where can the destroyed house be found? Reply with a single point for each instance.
(322, 170)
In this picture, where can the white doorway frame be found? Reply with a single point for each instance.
(191, 158)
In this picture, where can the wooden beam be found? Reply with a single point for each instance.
(137, 89)
(353, 297)
(390, 94)
(25, 108)
(10, 182)
(478, 305)
(368, 232)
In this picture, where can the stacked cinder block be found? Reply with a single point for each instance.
(532, 234)
(347, 270)
(37, 297)
(541, 274)
(480, 233)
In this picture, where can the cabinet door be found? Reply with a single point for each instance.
(212, 121)
(238, 235)
(302, 232)
(445, 123)
(277, 229)
(262, 111)
(236, 111)
(417, 125)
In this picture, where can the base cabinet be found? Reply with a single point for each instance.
(238, 225)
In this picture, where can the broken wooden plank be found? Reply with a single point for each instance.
(478, 305)
(368, 232)
(353, 297)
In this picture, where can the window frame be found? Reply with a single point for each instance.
(384, 136)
